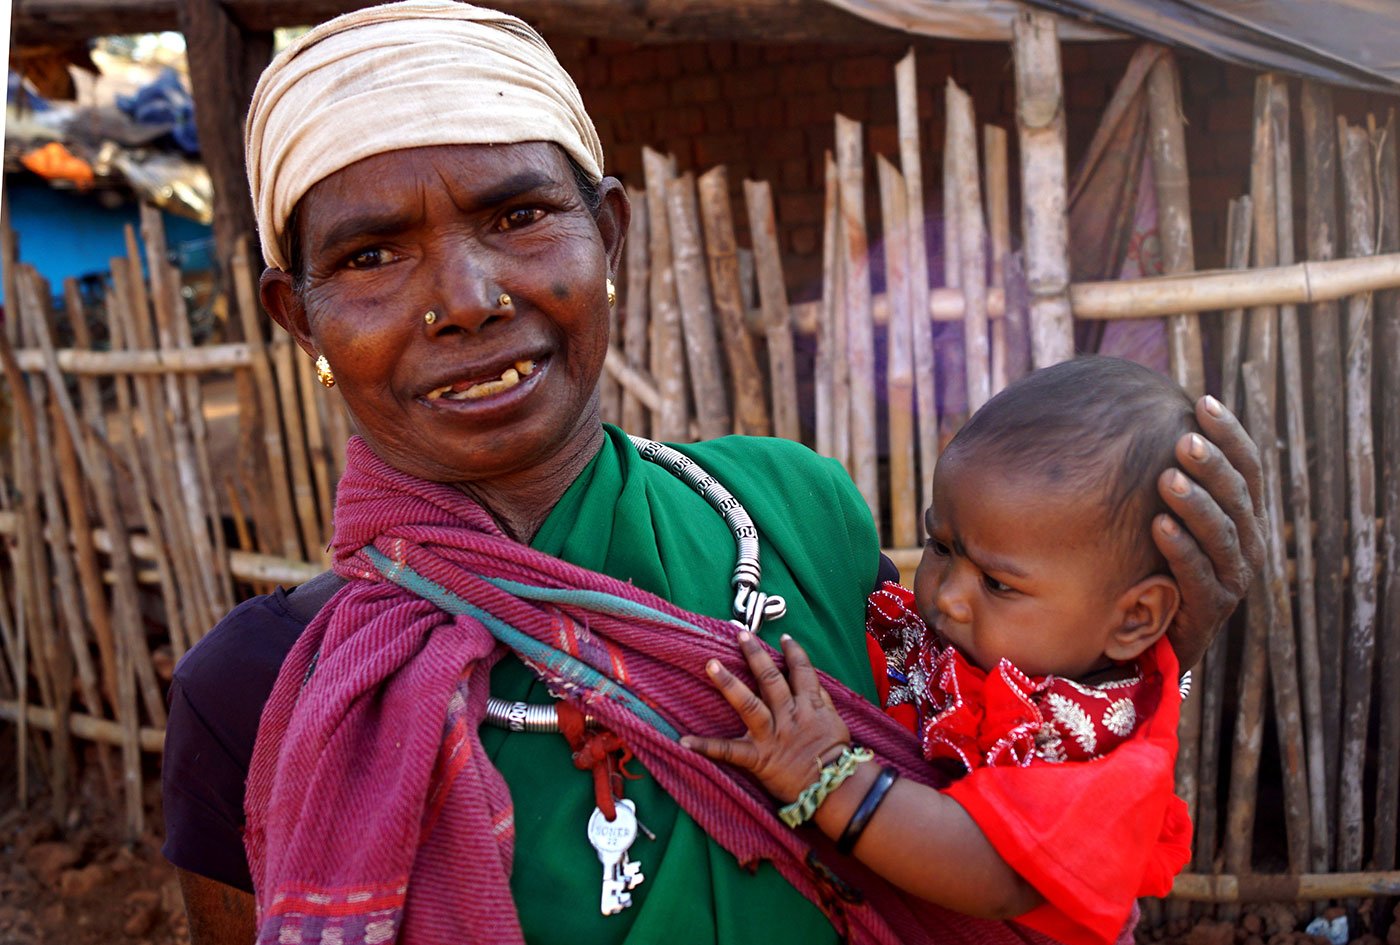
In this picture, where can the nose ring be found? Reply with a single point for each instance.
(503, 300)
(429, 317)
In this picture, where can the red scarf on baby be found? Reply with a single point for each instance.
(375, 815)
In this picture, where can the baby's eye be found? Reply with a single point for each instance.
(995, 586)
(939, 548)
(521, 216)
(369, 258)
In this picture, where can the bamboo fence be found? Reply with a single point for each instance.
(127, 529)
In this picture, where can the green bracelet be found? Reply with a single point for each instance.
(801, 810)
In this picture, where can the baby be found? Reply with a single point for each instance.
(1031, 662)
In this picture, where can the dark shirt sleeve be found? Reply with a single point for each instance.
(216, 701)
(888, 571)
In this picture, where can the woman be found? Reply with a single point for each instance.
(440, 237)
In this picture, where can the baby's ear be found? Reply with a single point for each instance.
(1147, 609)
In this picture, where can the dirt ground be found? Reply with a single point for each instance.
(78, 883)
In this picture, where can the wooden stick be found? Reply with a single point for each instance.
(1216, 887)
(722, 253)
(1324, 323)
(310, 395)
(635, 416)
(126, 606)
(925, 367)
(967, 188)
(899, 370)
(697, 311)
(832, 394)
(1166, 129)
(667, 351)
(1300, 503)
(634, 382)
(1238, 241)
(994, 148)
(1283, 659)
(305, 524)
(85, 553)
(53, 673)
(1202, 291)
(261, 363)
(200, 360)
(860, 331)
(1361, 492)
(1388, 641)
(161, 456)
(777, 319)
(87, 727)
(206, 522)
(1263, 319)
(1212, 685)
(165, 296)
(1040, 125)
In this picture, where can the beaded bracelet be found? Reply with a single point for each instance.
(801, 810)
(868, 805)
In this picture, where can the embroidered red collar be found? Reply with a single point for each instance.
(1002, 716)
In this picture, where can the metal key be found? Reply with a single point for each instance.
(611, 841)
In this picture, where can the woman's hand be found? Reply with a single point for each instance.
(793, 729)
(1218, 495)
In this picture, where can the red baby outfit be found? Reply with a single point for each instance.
(1071, 783)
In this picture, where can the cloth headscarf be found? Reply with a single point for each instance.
(403, 75)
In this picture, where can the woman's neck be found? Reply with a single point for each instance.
(520, 503)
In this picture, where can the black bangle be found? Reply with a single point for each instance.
(868, 805)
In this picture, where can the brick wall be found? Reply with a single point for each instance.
(766, 112)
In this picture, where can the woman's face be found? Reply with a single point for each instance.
(487, 390)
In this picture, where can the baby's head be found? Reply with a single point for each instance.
(1040, 546)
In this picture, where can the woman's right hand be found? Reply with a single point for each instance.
(793, 730)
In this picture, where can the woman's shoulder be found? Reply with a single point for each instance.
(231, 670)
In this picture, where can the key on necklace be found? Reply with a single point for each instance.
(611, 841)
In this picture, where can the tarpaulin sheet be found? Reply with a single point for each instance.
(1341, 42)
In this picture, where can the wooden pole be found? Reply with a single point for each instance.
(284, 350)
(972, 232)
(899, 369)
(722, 252)
(1300, 504)
(925, 366)
(276, 521)
(697, 311)
(1005, 368)
(1357, 183)
(1217, 656)
(1040, 125)
(1166, 130)
(126, 609)
(667, 351)
(831, 371)
(94, 425)
(1238, 242)
(1217, 887)
(1283, 659)
(860, 332)
(1325, 331)
(777, 317)
(637, 299)
(1388, 640)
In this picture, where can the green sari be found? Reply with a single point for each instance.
(637, 522)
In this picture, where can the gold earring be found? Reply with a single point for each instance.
(612, 294)
(323, 372)
(429, 317)
(503, 300)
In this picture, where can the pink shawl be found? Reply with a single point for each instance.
(375, 816)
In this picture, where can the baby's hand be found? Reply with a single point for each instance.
(793, 730)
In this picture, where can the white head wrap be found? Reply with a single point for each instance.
(403, 75)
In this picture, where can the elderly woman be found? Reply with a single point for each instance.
(441, 239)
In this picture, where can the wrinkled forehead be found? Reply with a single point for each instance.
(404, 75)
